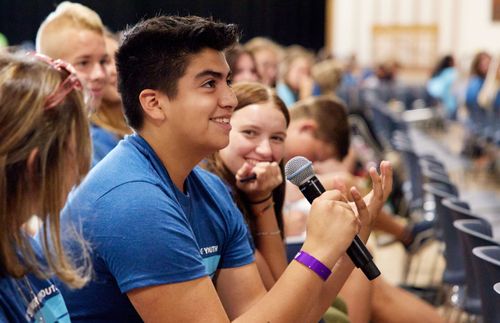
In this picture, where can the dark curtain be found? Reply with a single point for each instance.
(285, 21)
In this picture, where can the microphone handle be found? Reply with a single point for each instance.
(357, 251)
(359, 254)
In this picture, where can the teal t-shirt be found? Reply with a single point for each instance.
(31, 299)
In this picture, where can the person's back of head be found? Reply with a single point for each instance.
(155, 53)
(328, 75)
(67, 16)
(42, 117)
(445, 62)
(330, 115)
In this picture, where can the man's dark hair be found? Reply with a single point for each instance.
(155, 53)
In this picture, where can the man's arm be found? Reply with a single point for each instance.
(191, 301)
(240, 290)
(332, 225)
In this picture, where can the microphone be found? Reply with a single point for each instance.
(299, 171)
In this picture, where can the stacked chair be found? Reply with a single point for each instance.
(486, 262)
(473, 233)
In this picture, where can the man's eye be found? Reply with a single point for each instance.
(209, 84)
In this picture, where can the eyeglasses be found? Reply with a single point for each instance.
(70, 83)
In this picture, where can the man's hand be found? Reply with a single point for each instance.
(381, 188)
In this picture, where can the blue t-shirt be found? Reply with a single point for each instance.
(31, 299)
(441, 87)
(286, 94)
(143, 231)
(103, 141)
(476, 113)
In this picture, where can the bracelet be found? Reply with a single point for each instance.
(267, 207)
(263, 200)
(267, 233)
(314, 264)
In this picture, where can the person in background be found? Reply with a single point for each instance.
(319, 130)
(44, 151)
(324, 120)
(327, 76)
(108, 122)
(440, 85)
(268, 56)
(75, 33)
(295, 81)
(489, 96)
(242, 65)
(175, 248)
(478, 71)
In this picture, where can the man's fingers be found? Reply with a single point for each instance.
(377, 188)
(360, 204)
(386, 170)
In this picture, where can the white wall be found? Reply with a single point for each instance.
(464, 26)
(477, 30)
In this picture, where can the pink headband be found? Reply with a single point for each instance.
(71, 82)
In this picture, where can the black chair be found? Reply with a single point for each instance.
(460, 210)
(486, 261)
(453, 276)
(473, 233)
(496, 288)
(414, 179)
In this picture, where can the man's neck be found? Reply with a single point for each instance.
(178, 159)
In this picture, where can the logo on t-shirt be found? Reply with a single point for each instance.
(47, 306)
(211, 259)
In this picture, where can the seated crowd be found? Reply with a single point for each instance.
(142, 177)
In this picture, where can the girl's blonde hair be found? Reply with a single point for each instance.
(39, 147)
(68, 15)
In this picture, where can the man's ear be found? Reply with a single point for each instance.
(153, 103)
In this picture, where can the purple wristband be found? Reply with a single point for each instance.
(314, 264)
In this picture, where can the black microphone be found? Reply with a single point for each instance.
(299, 171)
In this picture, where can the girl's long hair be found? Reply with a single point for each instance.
(40, 148)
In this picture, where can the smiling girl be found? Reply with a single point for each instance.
(252, 167)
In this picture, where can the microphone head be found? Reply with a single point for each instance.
(298, 170)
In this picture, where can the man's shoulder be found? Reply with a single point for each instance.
(124, 173)
(207, 176)
(211, 182)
